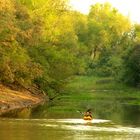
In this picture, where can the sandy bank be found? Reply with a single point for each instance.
(13, 100)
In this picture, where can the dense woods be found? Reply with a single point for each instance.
(44, 43)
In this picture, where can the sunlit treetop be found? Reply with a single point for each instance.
(128, 8)
(6, 5)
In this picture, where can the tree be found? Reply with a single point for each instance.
(16, 65)
(131, 66)
(57, 48)
(106, 30)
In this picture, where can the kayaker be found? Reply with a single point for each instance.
(88, 114)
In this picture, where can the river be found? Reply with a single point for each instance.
(71, 128)
(64, 129)
(116, 116)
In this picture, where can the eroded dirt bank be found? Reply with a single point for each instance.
(11, 100)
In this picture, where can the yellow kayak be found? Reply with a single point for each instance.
(87, 118)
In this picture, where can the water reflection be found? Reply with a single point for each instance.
(54, 129)
(111, 106)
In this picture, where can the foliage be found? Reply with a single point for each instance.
(16, 65)
(131, 66)
(45, 43)
(106, 31)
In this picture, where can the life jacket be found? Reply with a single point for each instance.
(87, 117)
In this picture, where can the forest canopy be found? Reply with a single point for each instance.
(45, 43)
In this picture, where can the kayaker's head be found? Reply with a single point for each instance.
(89, 110)
(88, 113)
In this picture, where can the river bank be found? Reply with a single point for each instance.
(15, 103)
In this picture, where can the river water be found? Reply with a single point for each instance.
(114, 119)
(65, 129)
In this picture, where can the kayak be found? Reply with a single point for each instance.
(87, 118)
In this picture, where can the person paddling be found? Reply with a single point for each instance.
(88, 115)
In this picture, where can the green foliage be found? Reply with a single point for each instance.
(43, 42)
(106, 30)
(58, 51)
(16, 65)
(136, 33)
(131, 66)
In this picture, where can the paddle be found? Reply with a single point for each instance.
(80, 112)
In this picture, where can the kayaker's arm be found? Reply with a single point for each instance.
(80, 112)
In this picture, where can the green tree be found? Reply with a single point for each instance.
(16, 65)
(107, 28)
(131, 66)
(57, 48)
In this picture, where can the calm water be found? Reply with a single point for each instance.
(116, 119)
(64, 129)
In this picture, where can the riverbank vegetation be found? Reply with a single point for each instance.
(43, 44)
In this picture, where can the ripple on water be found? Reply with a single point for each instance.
(78, 125)
(81, 125)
